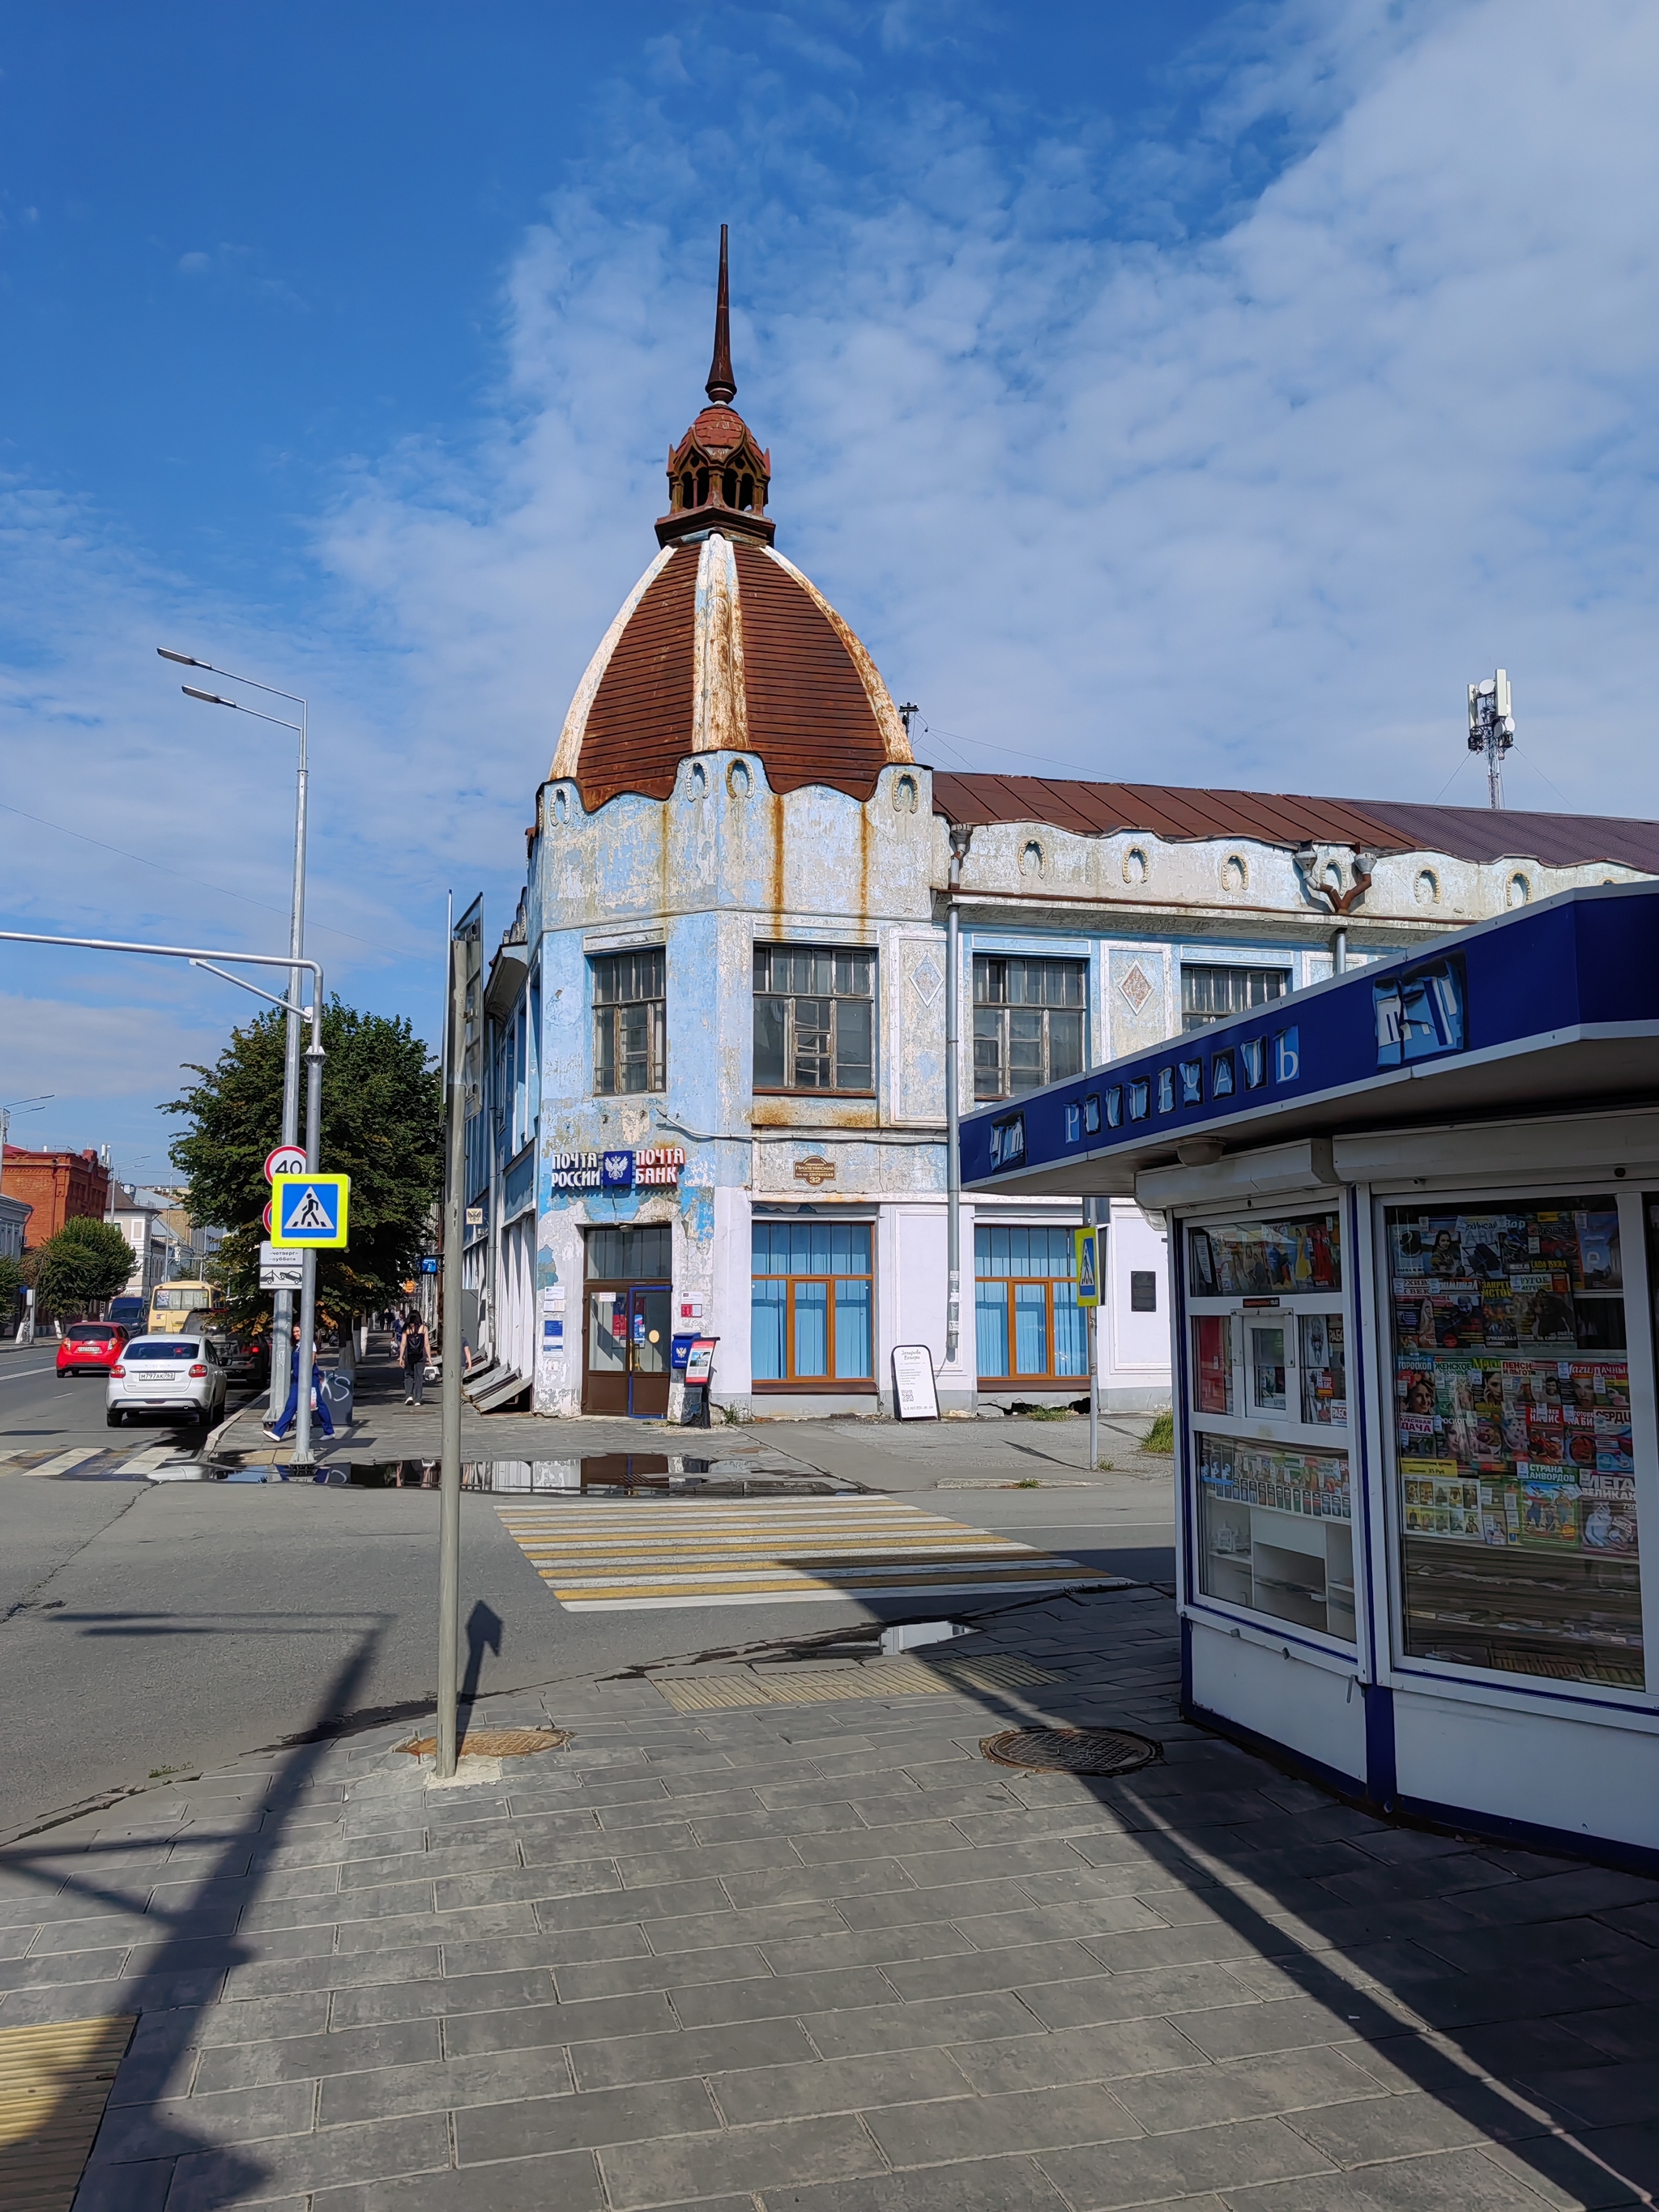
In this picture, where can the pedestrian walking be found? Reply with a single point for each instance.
(280, 1427)
(416, 1351)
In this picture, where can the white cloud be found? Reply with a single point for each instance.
(1249, 506)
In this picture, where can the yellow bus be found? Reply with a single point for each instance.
(172, 1305)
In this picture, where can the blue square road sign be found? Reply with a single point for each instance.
(310, 1211)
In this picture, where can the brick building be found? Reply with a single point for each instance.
(60, 1186)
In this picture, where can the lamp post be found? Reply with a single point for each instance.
(202, 955)
(281, 1301)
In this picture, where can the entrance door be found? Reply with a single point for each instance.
(647, 1316)
(628, 1350)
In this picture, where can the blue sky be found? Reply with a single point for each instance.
(1182, 393)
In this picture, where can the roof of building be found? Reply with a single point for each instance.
(1179, 814)
(723, 644)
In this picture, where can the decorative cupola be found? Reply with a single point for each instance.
(718, 477)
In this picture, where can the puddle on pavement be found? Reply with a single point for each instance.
(604, 1474)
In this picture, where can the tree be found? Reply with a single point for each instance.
(11, 1281)
(382, 1125)
(84, 1263)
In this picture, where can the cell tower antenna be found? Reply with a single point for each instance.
(1491, 729)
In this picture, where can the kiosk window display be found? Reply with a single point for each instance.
(1414, 1256)
(1269, 1406)
(1513, 1458)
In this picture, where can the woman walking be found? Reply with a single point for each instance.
(418, 1350)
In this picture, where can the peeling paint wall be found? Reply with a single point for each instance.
(725, 864)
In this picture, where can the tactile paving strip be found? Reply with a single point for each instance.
(54, 2083)
(895, 1678)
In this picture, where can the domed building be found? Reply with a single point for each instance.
(713, 1095)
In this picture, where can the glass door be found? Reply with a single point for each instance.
(647, 1351)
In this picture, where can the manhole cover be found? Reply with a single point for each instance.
(494, 1743)
(1072, 1751)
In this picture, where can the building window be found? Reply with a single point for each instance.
(1027, 1323)
(811, 1319)
(630, 1021)
(1028, 1023)
(630, 1255)
(1217, 993)
(814, 1018)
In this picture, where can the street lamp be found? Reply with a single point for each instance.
(282, 1307)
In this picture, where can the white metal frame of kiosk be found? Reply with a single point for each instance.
(1414, 1251)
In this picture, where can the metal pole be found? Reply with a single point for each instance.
(1091, 1216)
(449, 1476)
(281, 1309)
(1340, 952)
(306, 1349)
(959, 841)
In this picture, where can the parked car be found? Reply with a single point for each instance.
(165, 1375)
(248, 1362)
(90, 1347)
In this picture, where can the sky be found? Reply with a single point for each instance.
(1200, 393)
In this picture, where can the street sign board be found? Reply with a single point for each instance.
(287, 1159)
(915, 1397)
(280, 1271)
(312, 1210)
(1088, 1267)
(430, 1265)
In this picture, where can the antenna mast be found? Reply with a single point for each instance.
(1491, 729)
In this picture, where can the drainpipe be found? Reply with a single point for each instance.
(1340, 951)
(961, 838)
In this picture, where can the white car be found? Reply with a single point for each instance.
(177, 1375)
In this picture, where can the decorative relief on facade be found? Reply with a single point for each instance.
(1135, 1000)
(1136, 987)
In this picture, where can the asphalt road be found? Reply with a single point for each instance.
(144, 1627)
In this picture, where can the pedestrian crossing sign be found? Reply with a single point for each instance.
(1088, 1267)
(310, 1211)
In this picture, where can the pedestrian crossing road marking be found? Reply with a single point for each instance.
(616, 1556)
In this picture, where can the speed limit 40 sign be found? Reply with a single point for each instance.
(287, 1159)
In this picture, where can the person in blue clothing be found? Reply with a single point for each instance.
(280, 1427)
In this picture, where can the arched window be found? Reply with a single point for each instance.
(746, 493)
(729, 487)
(703, 486)
(687, 483)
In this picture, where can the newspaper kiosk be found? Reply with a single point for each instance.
(1414, 1250)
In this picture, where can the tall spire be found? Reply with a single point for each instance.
(721, 386)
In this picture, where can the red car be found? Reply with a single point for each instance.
(90, 1347)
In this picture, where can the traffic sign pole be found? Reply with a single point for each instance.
(449, 1478)
(307, 1345)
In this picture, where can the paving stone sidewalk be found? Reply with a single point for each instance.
(824, 1956)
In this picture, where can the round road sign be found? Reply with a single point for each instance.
(287, 1159)
(265, 1217)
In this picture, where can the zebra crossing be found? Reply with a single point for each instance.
(634, 1555)
(89, 1464)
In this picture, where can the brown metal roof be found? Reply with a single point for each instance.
(1175, 813)
(810, 717)
(639, 728)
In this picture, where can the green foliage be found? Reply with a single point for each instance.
(11, 1281)
(84, 1263)
(1160, 1437)
(382, 1126)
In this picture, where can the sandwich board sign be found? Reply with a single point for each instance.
(310, 1212)
(915, 1397)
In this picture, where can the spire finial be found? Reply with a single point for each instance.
(721, 386)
